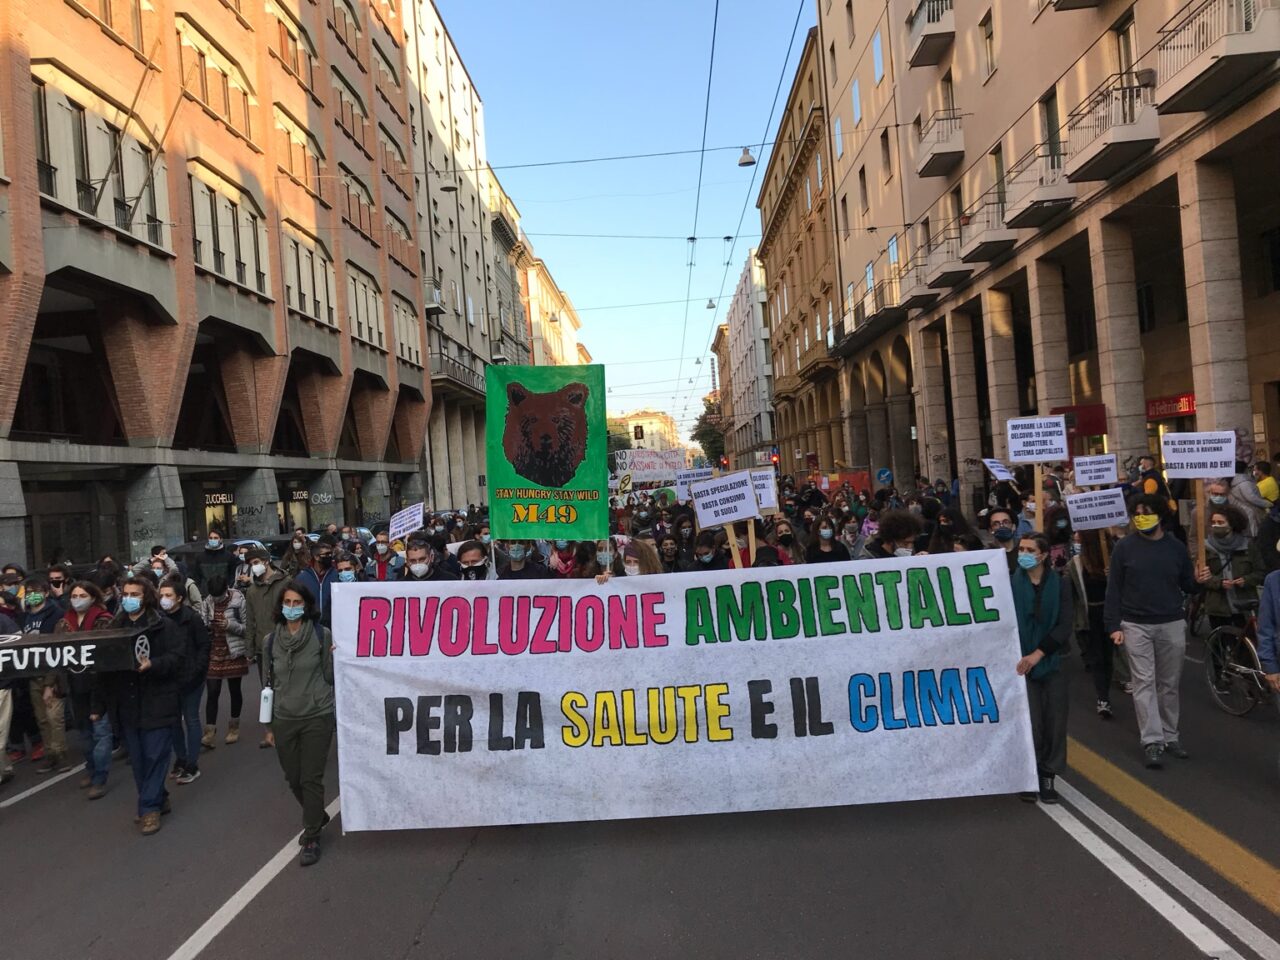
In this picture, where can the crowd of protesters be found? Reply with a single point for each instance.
(1119, 594)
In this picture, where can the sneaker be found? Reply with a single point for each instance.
(310, 853)
(1174, 747)
(302, 837)
(177, 771)
(96, 792)
(1104, 709)
(5, 777)
(1047, 793)
(47, 766)
(1153, 756)
(1028, 796)
(150, 823)
(16, 756)
(37, 752)
(188, 776)
(119, 753)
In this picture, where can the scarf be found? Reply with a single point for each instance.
(86, 620)
(1037, 613)
(291, 643)
(1225, 549)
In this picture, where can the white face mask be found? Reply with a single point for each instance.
(383, 548)
(259, 569)
(632, 569)
(902, 551)
(81, 604)
(419, 569)
(168, 603)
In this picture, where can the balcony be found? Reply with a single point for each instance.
(816, 362)
(983, 234)
(933, 29)
(886, 305)
(785, 386)
(915, 292)
(1075, 4)
(155, 230)
(453, 375)
(941, 144)
(1113, 128)
(124, 214)
(433, 297)
(1037, 189)
(47, 175)
(86, 197)
(1208, 52)
(944, 266)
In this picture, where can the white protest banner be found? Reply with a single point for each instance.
(649, 466)
(1207, 455)
(686, 477)
(726, 499)
(473, 704)
(1097, 509)
(998, 470)
(405, 521)
(1095, 471)
(1037, 439)
(766, 484)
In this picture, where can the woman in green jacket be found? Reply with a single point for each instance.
(299, 671)
(1234, 567)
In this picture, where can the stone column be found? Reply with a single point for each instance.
(1115, 301)
(327, 501)
(878, 454)
(13, 516)
(901, 447)
(375, 498)
(936, 460)
(1215, 300)
(1049, 335)
(257, 505)
(154, 508)
(470, 464)
(825, 460)
(438, 444)
(859, 454)
(836, 432)
(965, 423)
(1002, 366)
(411, 490)
(478, 494)
(457, 490)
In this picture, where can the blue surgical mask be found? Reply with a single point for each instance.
(562, 544)
(517, 552)
(293, 613)
(826, 533)
(486, 537)
(1028, 561)
(1217, 499)
(604, 558)
(346, 576)
(1003, 534)
(130, 604)
(213, 544)
(1061, 524)
(706, 558)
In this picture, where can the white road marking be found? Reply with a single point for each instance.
(196, 943)
(1231, 921)
(43, 785)
(1201, 937)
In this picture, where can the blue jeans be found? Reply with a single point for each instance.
(149, 752)
(186, 745)
(96, 737)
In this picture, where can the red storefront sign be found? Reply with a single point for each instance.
(1169, 408)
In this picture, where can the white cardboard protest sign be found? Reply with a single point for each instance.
(1207, 455)
(998, 470)
(766, 484)
(686, 477)
(1037, 439)
(726, 499)
(1097, 509)
(1095, 471)
(649, 466)
(405, 521)
(533, 701)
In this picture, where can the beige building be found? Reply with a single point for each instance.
(721, 374)
(553, 323)
(796, 248)
(660, 432)
(1062, 206)
(747, 373)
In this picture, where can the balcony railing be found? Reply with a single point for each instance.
(1194, 33)
(86, 197)
(260, 281)
(197, 249)
(1041, 167)
(451, 369)
(1118, 102)
(219, 261)
(124, 214)
(155, 232)
(928, 13)
(241, 272)
(47, 175)
(939, 128)
(888, 295)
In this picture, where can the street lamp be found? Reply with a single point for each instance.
(746, 160)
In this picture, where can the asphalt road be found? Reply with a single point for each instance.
(1174, 863)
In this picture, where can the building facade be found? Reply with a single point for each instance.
(660, 431)
(552, 322)
(747, 380)
(721, 375)
(507, 327)
(1087, 230)
(797, 251)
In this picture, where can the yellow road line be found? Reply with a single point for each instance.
(1241, 866)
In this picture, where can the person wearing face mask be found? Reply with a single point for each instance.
(1234, 568)
(190, 630)
(669, 554)
(1002, 524)
(896, 535)
(385, 564)
(215, 558)
(1245, 496)
(563, 559)
(522, 563)
(1043, 605)
(41, 615)
(684, 531)
(643, 520)
(223, 615)
(597, 559)
(262, 599)
(707, 553)
(788, 544)
(348, 568)
(85, 612)
(297, 557)
(639, 558)
(299, 657)
(145, 699)
(474, 559)
(1057, 527)
(1268, 540)
(1150, 572)
(825, 547)
(422, 564)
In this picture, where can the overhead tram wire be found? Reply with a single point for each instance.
(746, 201)
(697, 202)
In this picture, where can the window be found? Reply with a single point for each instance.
(988, 44)
(817, 157)
(877, 57)
(869, 276)
(308, 276)
(857, 104)
(831, 61)
(997, 177)
(364, 307)
(1270, 273)
(357, 207)
(213, 78)
(219, 259)
(886, 157)
(407, 330)
(149, 196)
(948, 91)
(848, 20)
(1146, 308)
(839, 138)
(844, 214)
(352, 117)
(135, 22)
(40, 111)
(85, 192)
(295, 50)
(300, 154)
(1051, 125)
(808, 195)
(926, 235)
(1126, 40)
(346, 24)
(891, 250)
(957, 204)
(399, 241)
(862, 188)
(115, 160)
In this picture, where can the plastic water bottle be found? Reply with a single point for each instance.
(265, 705)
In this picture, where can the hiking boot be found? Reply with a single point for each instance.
(1175, 748)
(310, 853)
(1153, 756)
(233, 731)
(1104, 709)
(188, 776)
(96, 792)
(210, 731)
(1047, 793)
(150, 824)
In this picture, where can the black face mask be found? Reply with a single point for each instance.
(475, 573)
(324, 560)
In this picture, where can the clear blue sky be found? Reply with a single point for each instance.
(567, 79)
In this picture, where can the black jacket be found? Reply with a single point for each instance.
(151, 700)
(194, 637)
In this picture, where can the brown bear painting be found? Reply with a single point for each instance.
(545, 437)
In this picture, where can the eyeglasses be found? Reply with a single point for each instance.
(57, 583)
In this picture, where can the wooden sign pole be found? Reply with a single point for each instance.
(1200, 510)
(1038, 492)
(751, 540)
(733, 545)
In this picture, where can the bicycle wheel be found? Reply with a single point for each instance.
(1228, 657)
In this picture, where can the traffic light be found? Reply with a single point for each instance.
(774, 459)
(724, 461)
